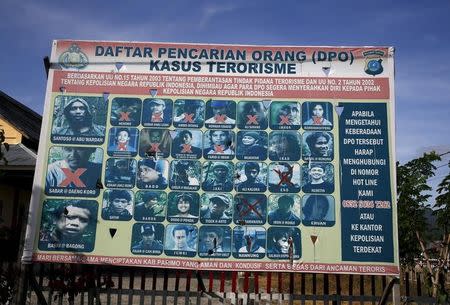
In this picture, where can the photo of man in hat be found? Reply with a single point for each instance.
(218, 176)
(157, 112)
(120, 173)
(251, 145)
(152, 174)
(220, 112)
(148, 242)
(76, 118)
(216, 208)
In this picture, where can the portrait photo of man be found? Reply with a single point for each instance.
(318, 178)
(317, 116)
(74, 168)
(68, 225)
(152, 174)
(218, 176)
(183, 207)
(318, 210)
(214, 241)
(285, 116)
(284, 210)
(249, 242)
(319, 146)
(126, 111)
(123, 142)
(283, 243)
(251, 145)
(251, 177)
(157, 112)
(154, 143)
(147, 238)
(189, 113)
(220, 114)
(284, 177)
(252, 115)
(181, 240)
(150, 206)
(187, 144)
(77, 118)
(216, 208)
(185, 175)
(120, 173)
(250, 209)
(285, 146)
(117, 205)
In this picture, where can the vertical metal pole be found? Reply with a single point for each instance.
(396, 293)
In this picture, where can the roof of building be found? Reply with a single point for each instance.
(19, 157)
(21, 117)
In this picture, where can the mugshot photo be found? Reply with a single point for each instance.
(123, 142)
(187, 144)
(117, 205)
(126, 111)
(183, 207)
(317, 116)
(285, 146)
(250, 177)
(318, 178)
(318, 210)
(218, 176)
(216, 208)
(284, 209)
(285, 116)
(120, 173)
(218, 145)
(150, 206)
(147, 238)
(284, 177)
(68, 225)
(157, 112)
(181, 240)
(74, 171)
(252, 115)
(318, 146)
(250, 209)
(283, 243)
(251, 145)
(79, 119)
(152, 174)
(214, 241)
(220, 114)
(154, 143)
(249, 242)
(185, 175)
(189, 113)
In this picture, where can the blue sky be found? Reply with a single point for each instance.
(419, 30)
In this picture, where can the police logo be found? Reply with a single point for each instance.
(73, 58)
(373, 62)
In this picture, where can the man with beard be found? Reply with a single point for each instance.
(79, 119)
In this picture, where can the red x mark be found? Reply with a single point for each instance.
(220, 118)
(218, 149)
(252, 119)
(317, 120)
(284, 176)
(157, 117)
(251, 207)
(284, 120)
(124, 116)
(154, 147)
(188, 118)
(186, 149)
(73, 177)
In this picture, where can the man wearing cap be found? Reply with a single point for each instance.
(284, 214)
(150, 173)
(250, 147)
(220, 180)
(157, 107)
(251, 184)
(218, 204)
(219, 111)
(148, 241)
(79, 119)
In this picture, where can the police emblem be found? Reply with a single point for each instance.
(373, 62)
(73, 58)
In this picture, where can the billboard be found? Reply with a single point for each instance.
(217, 157)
